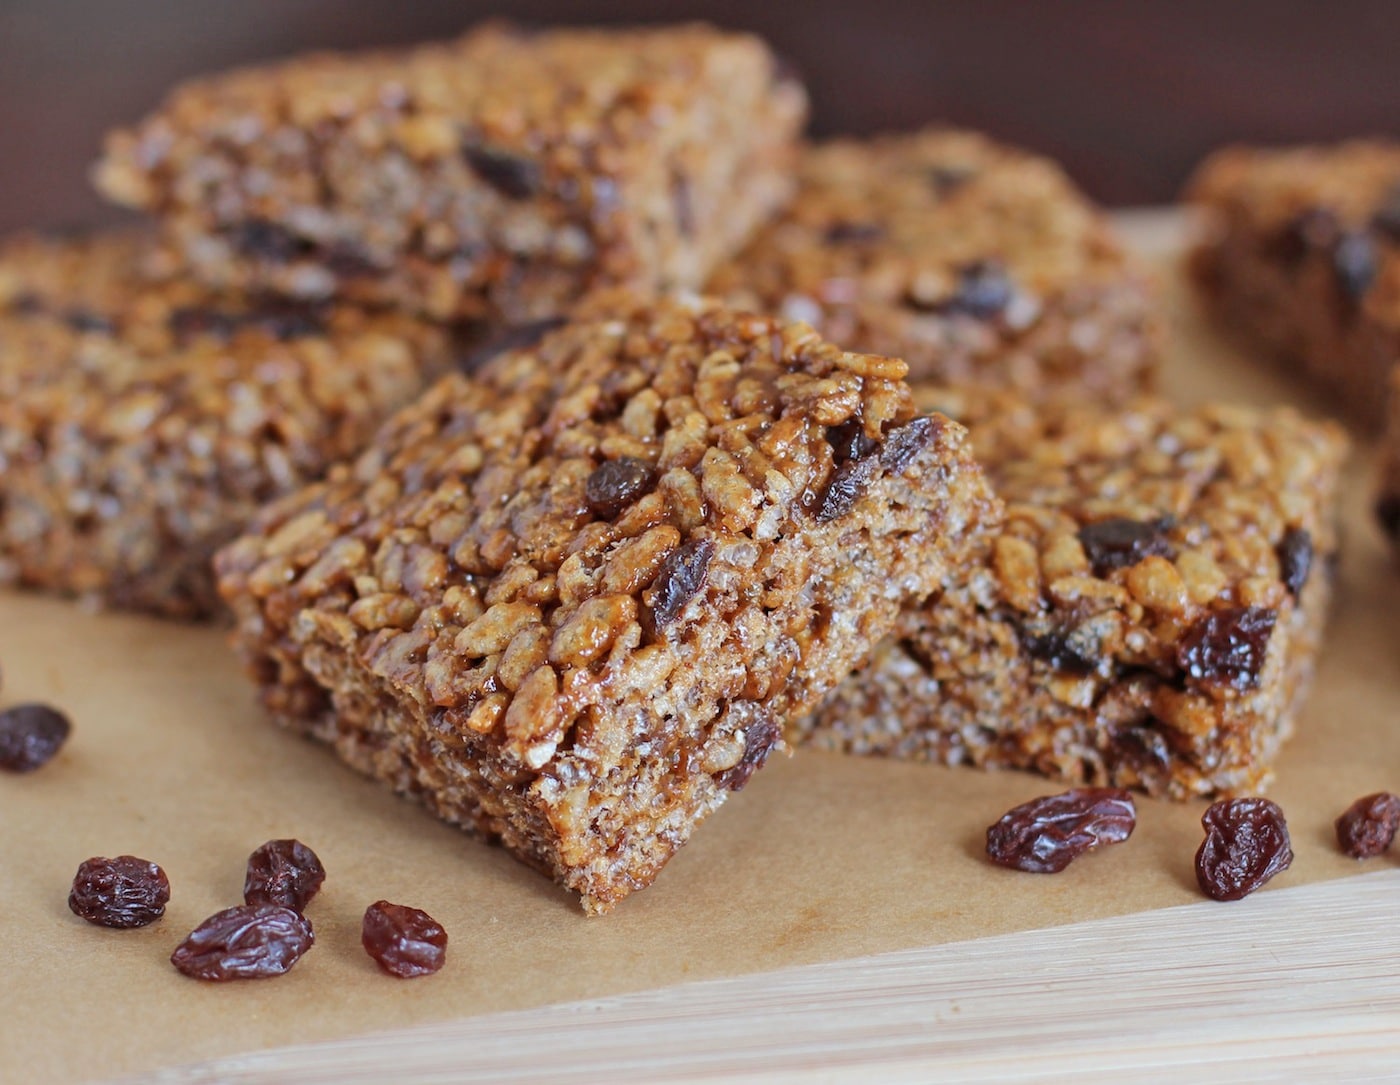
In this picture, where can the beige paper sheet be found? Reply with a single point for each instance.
(821, 857)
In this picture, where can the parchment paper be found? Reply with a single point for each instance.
(821, 857)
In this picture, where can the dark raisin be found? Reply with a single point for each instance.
(761, 735)
(1045, 835)
(85, 320)
(514, 177)
(1227, 648)
(268, 241)
(123, 892)
(849, 441)
(1246, 844)
(616, 484)
(1368, 826)
(1355, 262)
(284, 872)
(848, 484)
(902, 445)
(680, 579)
(983, 290)
(405, 942)
(683, 201)
(1065, 649)
(1142, 748)
(30, 736)
(250, 941)
(517, 337)
(1295, 556)
(1314, 230)
(1388, 515)
(854, 233)
(1386, 220)
(1119, 543)
(946, 180)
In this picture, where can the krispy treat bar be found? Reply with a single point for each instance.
(1301, 256)
(142, 422)
(497, 176)
(1148, 616)
(1388, 503)
(570, 603)
(974, 262)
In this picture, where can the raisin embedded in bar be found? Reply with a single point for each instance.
(1148, 617)
(570, 602)
(496, 177)
(1301, 257)
(975, 263)
(143, 421)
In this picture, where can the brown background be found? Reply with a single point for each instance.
(1128, 95)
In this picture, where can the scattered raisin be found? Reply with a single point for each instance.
(983, 290)
(247, 942)
(854, 233)
(761, 735)
(1355, 263)
(405, 942)
(1227, 648)
(616, 484)
(1119, 543)
(1246, 844)
(284, 872)
(1388, 515)
(1295, 556)
(1045, 835)
(680, 579)
(30, 736)
(1064, 649)
(849, 441)
(516, 337)
(1368, 825)
(1386, 221)
(846, 486)
(123, 892)
(906, 442)
(514, 177)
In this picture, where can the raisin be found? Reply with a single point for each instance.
(849, 441)
(85, 320)
(1227, 648)
(1295, 557)
(615, 484)
(983, 290)
(1355, 263)
(854, 233)
(281, 321)
(30, 736)
(1045, 835)
(1064, 649)
(1246, 844)
(123, 892)
(761, 735)
(250, 941)
(284, 872)
(267, 240)
(905, 443)
(1388, 515)
(1142, 748)
(514, 177)
(1368, 826)
(405, 942)
(1313, 230)
(679, 580)
(1386, 220)
(1119, 543)
(517, 337)
(848, 484)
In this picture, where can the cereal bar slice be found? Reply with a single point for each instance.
(570, 602)
(498, 176)
(142, 422)
(1148, 617)
(1301, 257)
(976, 263)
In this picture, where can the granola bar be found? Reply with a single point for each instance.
(1301, 257)
(142, 422)
(495, 177)
(1147, 617)
(974, 262)
(570, 603)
